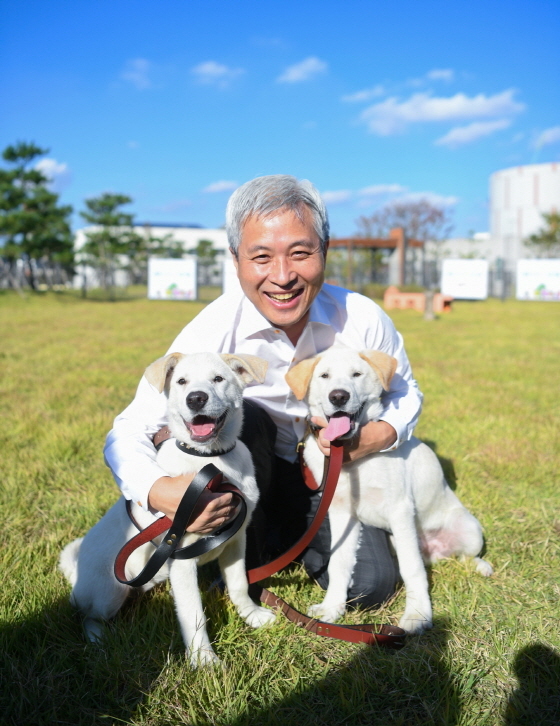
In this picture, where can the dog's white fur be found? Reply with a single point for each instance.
(88, 562)
(403, 491)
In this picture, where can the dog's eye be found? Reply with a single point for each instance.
(357, 374)
(324, 375)
(181, 381)
(218, 379)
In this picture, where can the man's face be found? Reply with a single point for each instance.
(281, 268)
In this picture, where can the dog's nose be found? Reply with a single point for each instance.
(339, 397)
(196, 400)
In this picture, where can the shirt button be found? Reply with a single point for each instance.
(297, 419)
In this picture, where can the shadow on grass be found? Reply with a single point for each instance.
(54, 676)
(377, 686)
(537, 698)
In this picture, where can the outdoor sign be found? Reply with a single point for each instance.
(538, 279)
(465, 279)
(230, 279)
(172, 279)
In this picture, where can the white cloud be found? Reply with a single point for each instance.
(380, 189)
(393, 116)
(221, 186)
(438, 200)
(337, 197)
(366, 95)
(213, 73)
(441, 74)
(56, 172)
(548, 136)
(132, 144)
(137, 72)
(462, 135)
(304, 71)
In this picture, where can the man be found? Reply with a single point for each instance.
(278, 233)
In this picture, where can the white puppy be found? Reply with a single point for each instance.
(403, 491)
(205, 412)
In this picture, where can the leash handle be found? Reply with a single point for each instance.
(208, 477)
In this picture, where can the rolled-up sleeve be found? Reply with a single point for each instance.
(129, 451)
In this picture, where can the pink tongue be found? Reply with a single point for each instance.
(203, 429)
(338, 426)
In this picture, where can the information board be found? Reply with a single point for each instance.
(538, 280)
(172, 279)
(465, 279)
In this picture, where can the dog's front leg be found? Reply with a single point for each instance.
(345, 532)
(418, 610)
(184, 584)
(232, 564)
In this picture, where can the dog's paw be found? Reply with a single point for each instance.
(259, 617)
(483, 567)
(327, 613)
(415, 623)
(203, 658)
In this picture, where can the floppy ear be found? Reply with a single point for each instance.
(248, 367)
(159, 371)
(384, 365)
(299, 377)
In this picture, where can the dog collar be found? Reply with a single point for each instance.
(195, 452)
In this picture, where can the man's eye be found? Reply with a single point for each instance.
(181, 381)
(218, 379)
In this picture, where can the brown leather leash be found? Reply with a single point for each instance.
(210, 477)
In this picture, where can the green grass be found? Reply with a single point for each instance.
(490, 374)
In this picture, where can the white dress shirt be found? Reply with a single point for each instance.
(232, 324)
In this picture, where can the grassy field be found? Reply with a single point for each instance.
(490, 373)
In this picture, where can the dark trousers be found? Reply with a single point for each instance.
(285, 510)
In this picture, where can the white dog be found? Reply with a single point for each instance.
(403, 492)
(205, 413)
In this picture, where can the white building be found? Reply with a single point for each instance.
(187, 235)
(518, 198)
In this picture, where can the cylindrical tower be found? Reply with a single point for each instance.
(518, 198)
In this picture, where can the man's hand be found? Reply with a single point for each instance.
(212, 510)
(373, 437)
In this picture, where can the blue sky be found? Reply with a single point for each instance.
(176, 102)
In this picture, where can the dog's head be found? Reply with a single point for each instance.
(205, 394)
(344, 383)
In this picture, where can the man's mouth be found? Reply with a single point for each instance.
(204, 428)
(283, 298)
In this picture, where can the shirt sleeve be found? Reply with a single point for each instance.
(403, 401)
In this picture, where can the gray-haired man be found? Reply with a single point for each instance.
(278, 233)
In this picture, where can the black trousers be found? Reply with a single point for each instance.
(285, 510)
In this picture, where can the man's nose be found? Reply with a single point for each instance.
(281, 271)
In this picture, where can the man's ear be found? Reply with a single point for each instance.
(248, 367)
(384, 365)
(299, 377)
(159, 371)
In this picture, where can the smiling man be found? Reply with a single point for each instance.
(278, 233)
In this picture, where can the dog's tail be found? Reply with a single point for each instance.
(68, 561)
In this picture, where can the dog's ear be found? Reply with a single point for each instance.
(159, 371)
(248, 367)
(299, 377)
(384, 365)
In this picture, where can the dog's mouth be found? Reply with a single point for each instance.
(341, 424)
(204, 428)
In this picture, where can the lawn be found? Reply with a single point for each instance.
(490, 373)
